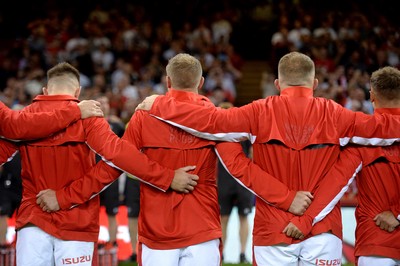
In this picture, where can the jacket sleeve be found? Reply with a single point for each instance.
(207, 121)
(124, 155)
(7, 151)
(25, 125)
(88, 186)
(330, 189)
(251, 176)
(363, 129)
(396, 211)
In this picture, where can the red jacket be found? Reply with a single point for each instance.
(20, 125)
(378, 186)
(56, 161)
(174, 220)
(378, 190)
(302, 133)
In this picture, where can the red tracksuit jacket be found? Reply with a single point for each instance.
(174, 220)
(378, 190)
(377, 194)
(378, 186)
(56, 161)
(295, 137)
(23, 125)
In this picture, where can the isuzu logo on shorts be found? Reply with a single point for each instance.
(328, 262)
(68, 261)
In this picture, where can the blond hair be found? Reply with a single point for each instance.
(184, 70)
(296, 69)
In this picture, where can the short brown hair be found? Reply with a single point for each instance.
(184, 71)
(63, 69)
(386, 83)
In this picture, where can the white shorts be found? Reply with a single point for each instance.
(323, 249)
(37, 248)
(381, 261)
(207, 253)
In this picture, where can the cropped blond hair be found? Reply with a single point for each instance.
(184, 70)
(296, 69)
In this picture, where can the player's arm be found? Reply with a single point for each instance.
(396, 211)
(233, 124)
(387, 221)
(330, 189)
(90, 185)
(80, 190)
(380, 129)
(390, 219)
(265, 186)
(7, 151)
(125, 156)
(20, 125)
(118, 155)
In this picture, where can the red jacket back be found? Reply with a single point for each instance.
(296, 138)
(174, 220)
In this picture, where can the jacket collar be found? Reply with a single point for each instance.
(392, 111)
(186, 96)
(58, 97)
(297, 91)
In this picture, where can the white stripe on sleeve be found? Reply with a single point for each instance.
(368, 141)
(237, 180)
(10, 158)
(231, 137)
(332, 204)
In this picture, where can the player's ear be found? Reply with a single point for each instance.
(77, 92)
(45, 91)
(372, 95)
(277, 86)
(201, 83)
(169, 83)
(315, 84)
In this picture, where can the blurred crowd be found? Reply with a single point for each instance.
(122, 51)
(123, 57)
(347, 45)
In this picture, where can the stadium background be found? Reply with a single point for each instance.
(347, 39)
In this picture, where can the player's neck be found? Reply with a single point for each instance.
(188, 90)
(387, 104)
